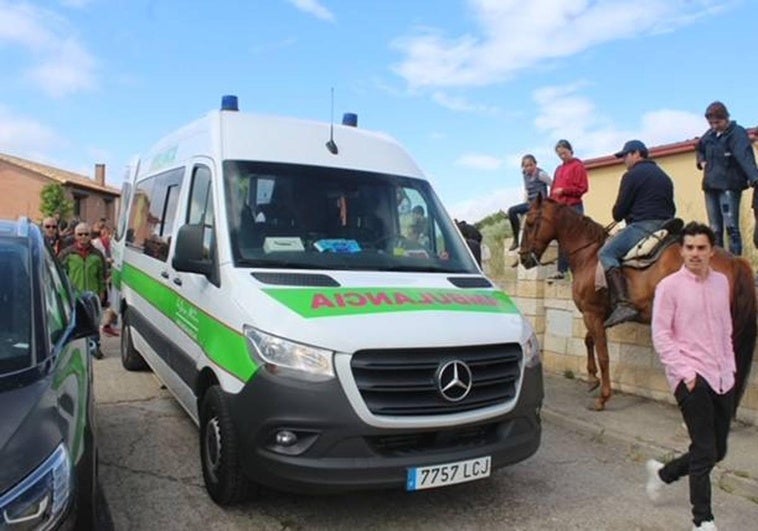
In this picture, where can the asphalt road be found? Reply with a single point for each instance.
(150, 473)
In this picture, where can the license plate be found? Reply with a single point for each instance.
(429, 477)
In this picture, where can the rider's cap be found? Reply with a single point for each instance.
(632, 146)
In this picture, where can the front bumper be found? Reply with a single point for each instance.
(339, 452)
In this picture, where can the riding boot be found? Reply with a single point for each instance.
(623, 309)
(515, 228)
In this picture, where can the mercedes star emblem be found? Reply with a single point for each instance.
(454, 380)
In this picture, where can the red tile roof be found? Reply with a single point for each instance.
(659, 151)
(61, 176)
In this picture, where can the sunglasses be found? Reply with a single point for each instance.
(82, 234)
(51, 226)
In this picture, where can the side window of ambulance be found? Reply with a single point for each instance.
(153, 213)
(126, 197)
(200, 211)
(57, 301)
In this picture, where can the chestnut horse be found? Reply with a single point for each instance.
(581, 238)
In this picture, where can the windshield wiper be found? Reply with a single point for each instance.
(420, 269)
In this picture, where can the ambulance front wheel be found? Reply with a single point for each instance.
(219, 450)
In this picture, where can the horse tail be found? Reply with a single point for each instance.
(743, 325)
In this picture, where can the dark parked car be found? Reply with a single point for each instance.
(48, 456)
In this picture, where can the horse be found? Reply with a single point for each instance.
(581, 238)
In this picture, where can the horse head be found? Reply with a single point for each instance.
(539, 231)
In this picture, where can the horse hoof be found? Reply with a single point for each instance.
(592, 385)
(599, 405)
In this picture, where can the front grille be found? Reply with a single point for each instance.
(434, 441)
(403, 382)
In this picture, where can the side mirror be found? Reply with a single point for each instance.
(188, 252)
(87, 315)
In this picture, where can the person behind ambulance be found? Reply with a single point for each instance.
(645, 201)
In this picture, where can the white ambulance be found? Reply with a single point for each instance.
(302, 292)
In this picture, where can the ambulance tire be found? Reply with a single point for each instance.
(130, 358)
(219, 450)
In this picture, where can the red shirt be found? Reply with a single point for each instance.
(572, 178)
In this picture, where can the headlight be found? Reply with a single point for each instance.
(288, 358)
(39, 501)
(532, 351)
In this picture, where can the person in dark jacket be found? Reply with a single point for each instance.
(645, 202)
(473, 238)
(725, 154)
(536, 182)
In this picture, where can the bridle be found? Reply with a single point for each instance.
(532, 253)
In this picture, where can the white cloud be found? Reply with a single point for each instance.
(479, 161)
(564, 113)
(313, 7)
(26, 137)
(65, 71)
(59, 62)
(477, 208)
(459, 104)
(513, 35)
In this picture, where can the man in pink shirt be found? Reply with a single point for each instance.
(692, 333)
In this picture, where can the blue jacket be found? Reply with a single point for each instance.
(729, 157)
(645, 193)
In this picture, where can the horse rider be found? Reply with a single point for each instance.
(645, 202)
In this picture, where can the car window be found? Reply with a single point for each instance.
(15, 306)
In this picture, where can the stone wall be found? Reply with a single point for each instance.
(634, 365)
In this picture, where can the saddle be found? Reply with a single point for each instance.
(646, 251)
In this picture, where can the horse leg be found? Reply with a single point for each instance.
(592, 381)
(597, 329)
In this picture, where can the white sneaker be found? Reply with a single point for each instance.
(654, 481)
(709, 525)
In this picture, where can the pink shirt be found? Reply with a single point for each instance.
(692, 329)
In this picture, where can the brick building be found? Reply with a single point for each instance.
(21, 182)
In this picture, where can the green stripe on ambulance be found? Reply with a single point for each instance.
(225, 346)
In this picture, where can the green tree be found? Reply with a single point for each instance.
(55, 201)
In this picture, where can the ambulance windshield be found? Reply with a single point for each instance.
(286, 215)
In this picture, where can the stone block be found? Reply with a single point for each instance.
(623, 333)
(535, 273)
(558, 322)
(538, 323)
(576, 347)
(579, 330)
(643, 335)
(553, 343)
(636, 355)
(530, 288)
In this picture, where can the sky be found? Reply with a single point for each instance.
(467, 86)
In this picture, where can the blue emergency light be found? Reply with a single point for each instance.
(350, 119)
(229, 103)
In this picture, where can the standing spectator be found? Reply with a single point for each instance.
(536, 182)
(645, 202)
(85, 266)
(102, 242)
(569, 185)
(699, 364)
(50, 230)
(725, 153)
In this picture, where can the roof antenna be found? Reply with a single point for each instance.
(331, 146)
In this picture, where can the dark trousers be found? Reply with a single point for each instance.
(707, 416)
(563, 259)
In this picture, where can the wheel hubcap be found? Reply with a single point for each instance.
(213, 447)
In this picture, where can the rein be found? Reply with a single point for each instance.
(537, 226)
